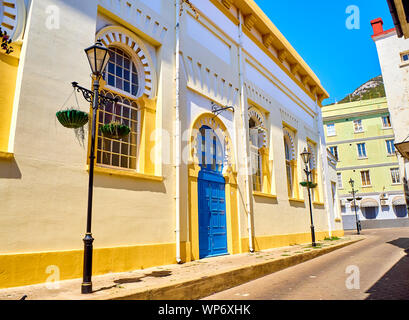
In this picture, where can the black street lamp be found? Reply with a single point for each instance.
(306, 157)
(98, 57)
(354, 198)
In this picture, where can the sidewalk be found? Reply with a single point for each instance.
(190, 281)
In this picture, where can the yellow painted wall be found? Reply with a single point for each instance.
(31, 268)
(8, 76)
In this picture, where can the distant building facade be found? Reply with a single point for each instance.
(361, 137)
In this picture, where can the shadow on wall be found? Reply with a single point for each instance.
(395, 283)
(265, 200)
(9, 169)
(128, 183)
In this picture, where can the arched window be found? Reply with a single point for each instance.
(211, 153)
(256, 143)
(314, 172)
(289, 165)
(122, 83)
(121, 72)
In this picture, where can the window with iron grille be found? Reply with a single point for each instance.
(122, 83)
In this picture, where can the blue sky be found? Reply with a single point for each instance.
(343, 59)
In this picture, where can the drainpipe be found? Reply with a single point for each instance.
(177, 132)
(324, 160)
(244, 134)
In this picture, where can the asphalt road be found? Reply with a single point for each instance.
(376, 268)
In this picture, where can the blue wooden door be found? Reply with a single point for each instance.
(211, 198)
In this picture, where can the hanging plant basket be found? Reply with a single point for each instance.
(115, 130)
(72, 118)
(306, 184)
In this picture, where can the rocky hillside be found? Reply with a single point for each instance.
(371, 89)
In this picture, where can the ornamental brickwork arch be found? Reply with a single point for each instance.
(288, 136)
(220, 130)
(312, 149)
(124, 39)
(258, 118)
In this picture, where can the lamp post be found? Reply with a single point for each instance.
(98, 57)
(306, 157)
(358, 223)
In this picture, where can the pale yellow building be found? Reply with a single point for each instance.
(188, 182)
(361, 136)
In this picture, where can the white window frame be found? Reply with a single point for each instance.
(369, 179)
(365, 156)
(333, 132)
(340, 185)
(335, 155)
(383, 122)
(393, 146)
(396, 170)
(361, 126)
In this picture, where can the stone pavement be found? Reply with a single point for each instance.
(189, 281)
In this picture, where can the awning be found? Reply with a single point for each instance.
(369, 203)
(399, 201)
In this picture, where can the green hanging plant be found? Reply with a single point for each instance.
(72, 118)
(306, 184)
(115, 130)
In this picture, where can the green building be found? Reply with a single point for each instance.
(360, 135)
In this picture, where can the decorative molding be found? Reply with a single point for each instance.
(131, 11)
(282, 55)
(289, 118)
(227, 3)
(335, 143)
(249, 21)
(295, 68)
(367, 166)
(209, 83)
(119, 36)
(257, 95)
(268, 39)
(305, 79)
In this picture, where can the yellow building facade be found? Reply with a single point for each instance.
(190, 181)
(361, 136)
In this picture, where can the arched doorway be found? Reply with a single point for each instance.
(212, 174)
(211, 195)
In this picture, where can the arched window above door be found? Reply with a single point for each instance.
(121, 72)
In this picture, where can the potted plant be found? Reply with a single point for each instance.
(115, 130)
(5, 42)
(72, 118)
(310, 185)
